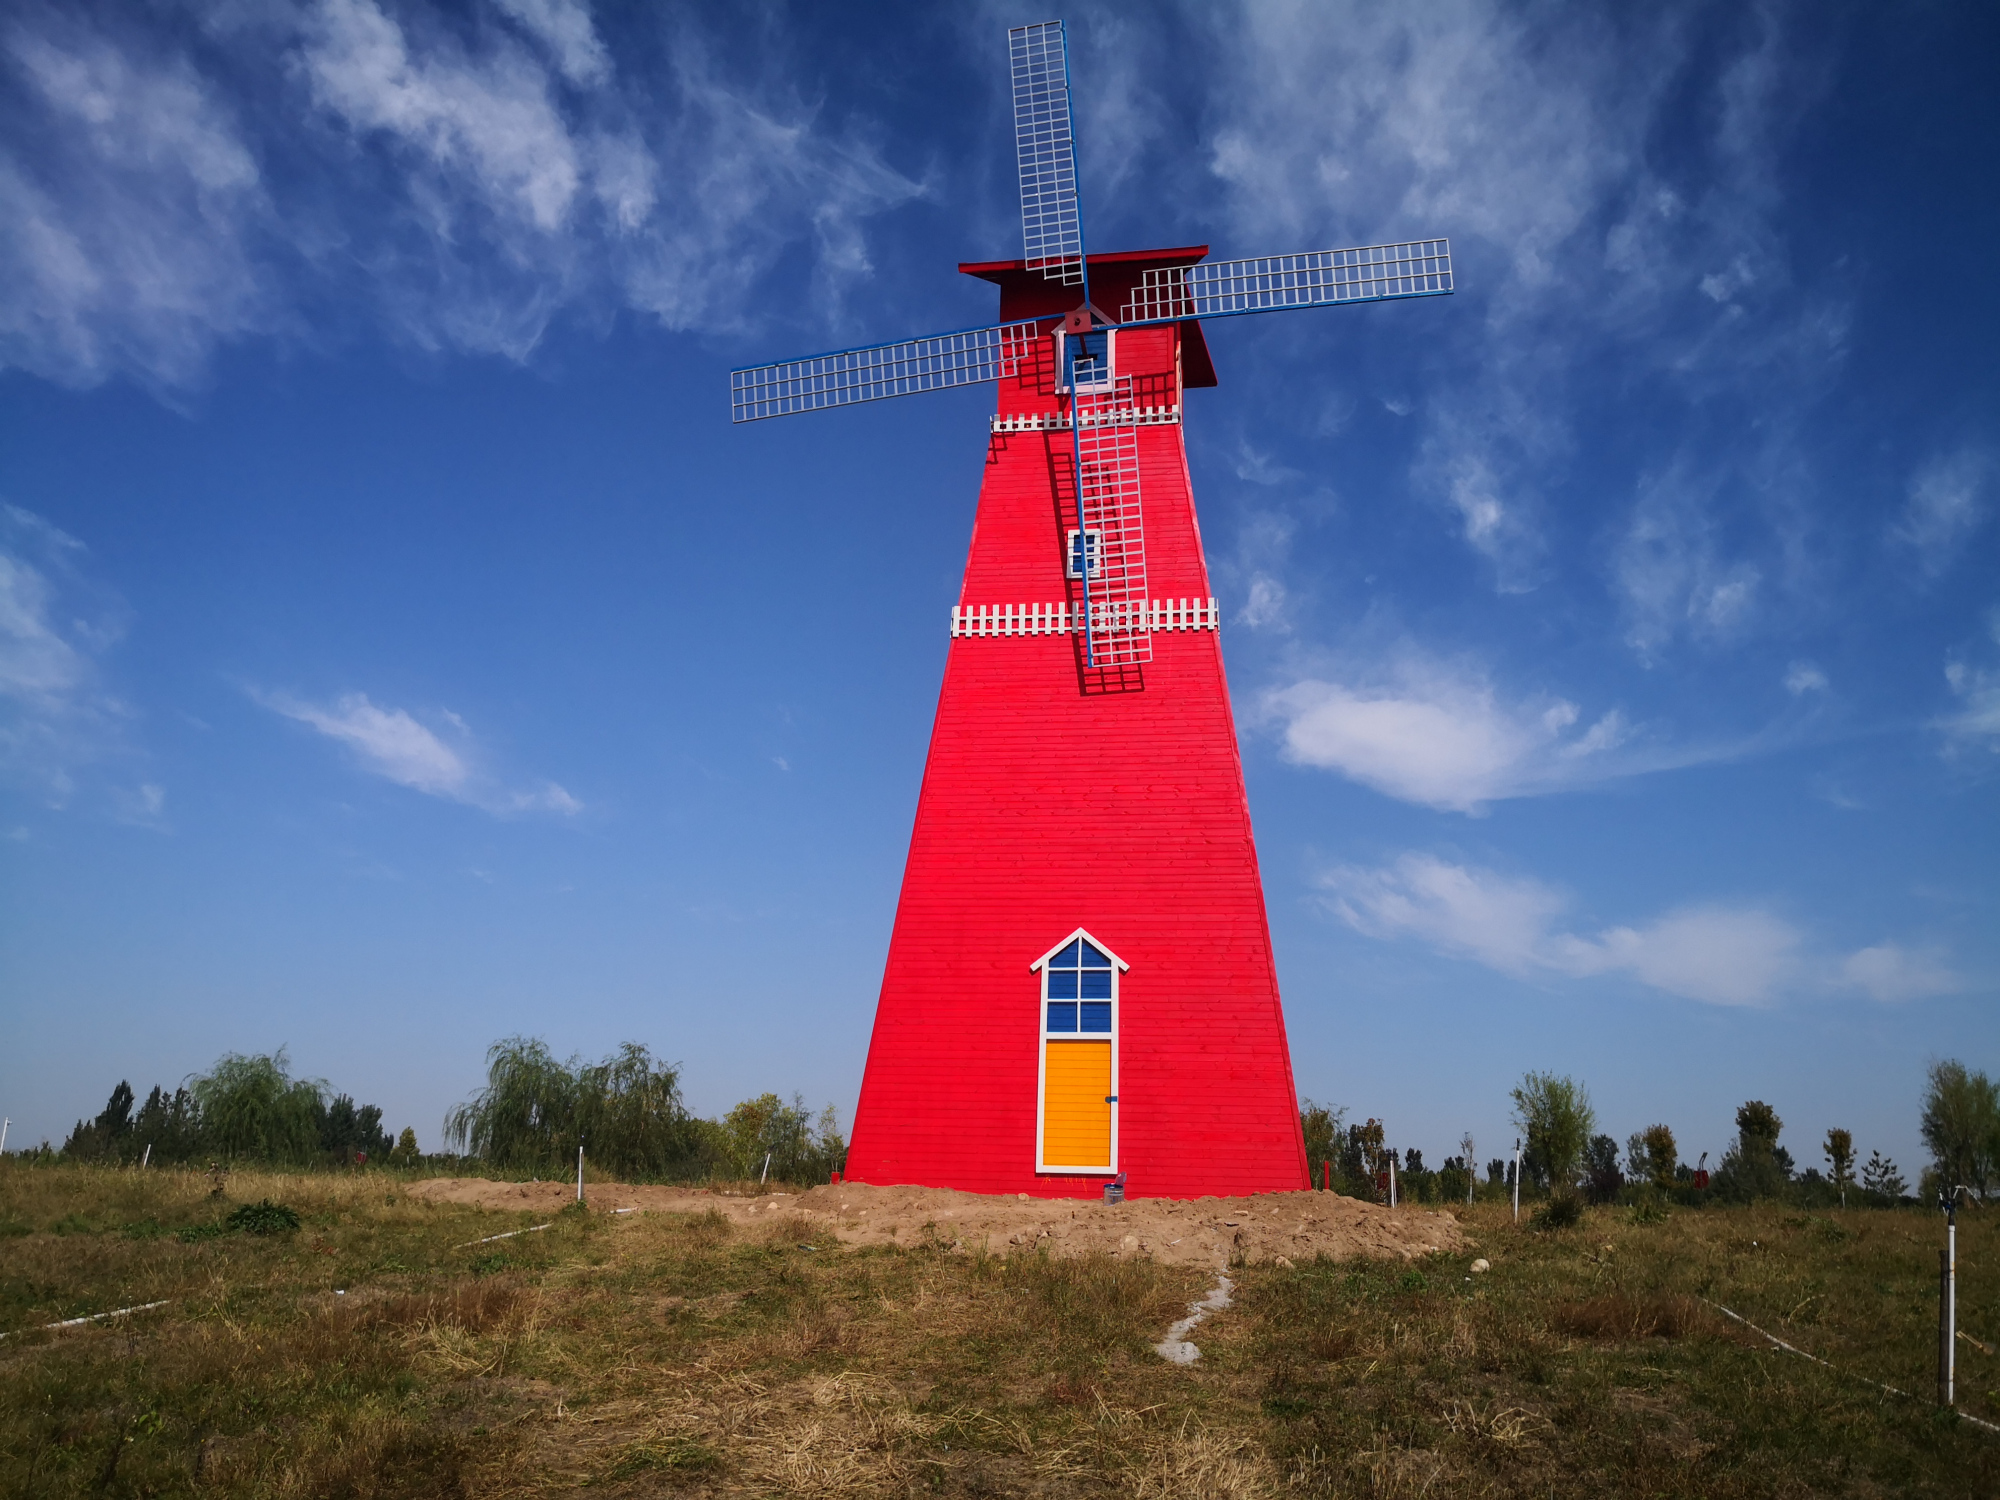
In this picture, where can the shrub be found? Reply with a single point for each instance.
(263, 1217)
(1563, 1211)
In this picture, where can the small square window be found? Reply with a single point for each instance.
(1062, 984)
(1079, 556)
(1062, 1016)
(1096, 984)
(1096, 1015)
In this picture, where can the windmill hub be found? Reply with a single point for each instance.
(1079, 987)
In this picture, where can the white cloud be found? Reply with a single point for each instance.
(1671, 570)
(1803, 677)
(564, 27)
(1720, 955)
(1266, 604)
(392, 744)
(1443, 736)
(1976, 726)
(56, 714)
(127, 240)
(468, 181)
(1945, 506)
(1889, 972)
(1532, 139)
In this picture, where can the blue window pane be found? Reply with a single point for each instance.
(1092, 959)
(1096, 984)
(1062, 984)
(1096, 1015)
(1067, 958)
(1062, 1016)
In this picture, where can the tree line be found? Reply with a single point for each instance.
(626, 1111)
(244, 1108)
(1566, 1159)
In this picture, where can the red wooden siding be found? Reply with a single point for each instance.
(1047, 806)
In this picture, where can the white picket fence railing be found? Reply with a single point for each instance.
(1063, 618)
(1058, 421)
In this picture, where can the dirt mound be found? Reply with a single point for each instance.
(1199, 1231)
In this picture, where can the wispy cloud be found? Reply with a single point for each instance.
(1946, 504)
(129, 240)
(393, 744)
(56, 713)
(470, 177)
(1891, 972)
(1536, 141)
(1976, 724)
(1443, 735)
(1715, 953)
(1673, 573)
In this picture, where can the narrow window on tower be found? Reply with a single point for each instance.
(1086, 552)
(1077, 1111)
(1087, 360)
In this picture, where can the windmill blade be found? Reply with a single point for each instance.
(1272, 283)
(1051, 221)
(846, 376)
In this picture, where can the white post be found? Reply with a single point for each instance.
(1392, 1180)
(1471, 1166)
(765, 1176)
(1951, 1300)
(1517, 1182)
(147, 1157)
(3, 1134)
(579, 1174)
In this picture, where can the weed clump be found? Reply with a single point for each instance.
(263, 1217)
(1564, 1211)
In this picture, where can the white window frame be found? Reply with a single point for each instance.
(1110, 359)
(1070, 569)
(1042, 1039)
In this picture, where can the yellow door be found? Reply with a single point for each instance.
(1076, 1107)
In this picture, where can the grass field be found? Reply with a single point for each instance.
(372, 1352)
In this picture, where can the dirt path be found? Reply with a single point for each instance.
(1200, 1231)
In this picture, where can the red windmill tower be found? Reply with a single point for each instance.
(1079, 985)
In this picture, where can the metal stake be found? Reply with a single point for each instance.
(1948, 1299)
(1517, 1181)
(579, 1174)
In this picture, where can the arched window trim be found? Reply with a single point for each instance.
(1041, 967)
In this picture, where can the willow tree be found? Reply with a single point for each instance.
(625, 1111)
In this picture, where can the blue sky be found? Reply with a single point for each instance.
(399, 648)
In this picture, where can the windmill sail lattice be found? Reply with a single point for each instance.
(1270, 283)
(1051, 219)
(1107, 505)
(936, 363)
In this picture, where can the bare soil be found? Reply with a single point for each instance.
(1217, 1232)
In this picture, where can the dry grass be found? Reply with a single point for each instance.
(657, 1355)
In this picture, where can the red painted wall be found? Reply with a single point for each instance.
(1050, 803)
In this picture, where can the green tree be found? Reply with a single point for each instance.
(107, 1135)
(1320, 1125)
(1556, 1117)
(170, 1124)
(1601, 1177)
(252, 1108)
(525, 1118)
(404, 1152)
(1756, 1166)
(1880, 1175)
(630, 1114)
(1652, 1155)
(800, 1149)
(1840, 1161)
(1961, 1125)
